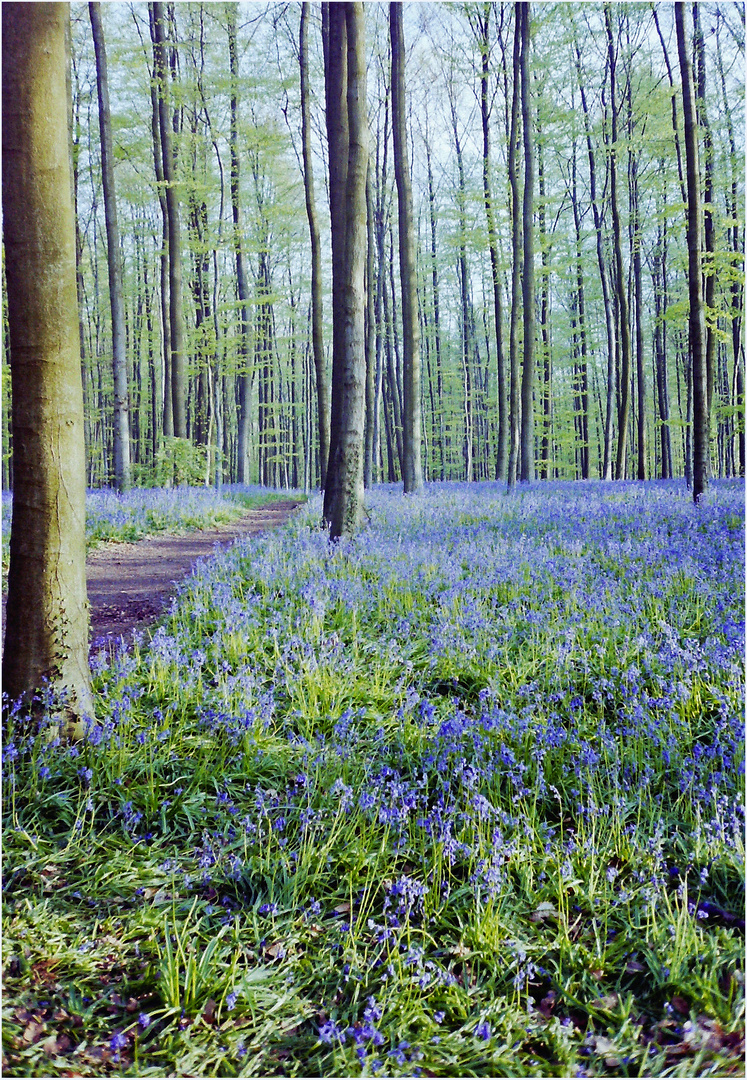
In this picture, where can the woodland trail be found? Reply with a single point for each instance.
(130, 585)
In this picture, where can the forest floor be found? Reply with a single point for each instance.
(131, 584)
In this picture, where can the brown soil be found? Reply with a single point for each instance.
(130, 585)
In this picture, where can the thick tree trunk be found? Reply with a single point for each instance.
(345, 77)
(317, 326)
(46, 632)
(412, 471)
(694, 269)
(116, 298)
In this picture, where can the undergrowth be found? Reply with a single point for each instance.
(460, 797)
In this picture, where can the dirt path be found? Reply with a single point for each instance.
(130, 585)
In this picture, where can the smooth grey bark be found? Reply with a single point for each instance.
(46, 629)
(436, 317)
(609, 318)
(483, 22)
(176, 307)
(368, 461)
(709, 232)
(345, 79)
(516, 261)
(619, 278)
(122, 470)
(412, 469)
(527, 215)
(696, 321)
(317, 324)
(242, 285)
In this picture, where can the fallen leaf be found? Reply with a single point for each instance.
(342, 909)
(608, 1002)
(33, 1032)
(543, 911)
(208, 1013)
(597, 973)
(633, 966)
(132, 1005)
(603, 1045)
(680, 1004)
(276, 950)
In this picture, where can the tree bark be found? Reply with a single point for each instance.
(527, 213)
(516, 255)
(619, 283)
(345, 80)
(176, 310)
(696, 322)
(46, 633)
(242, 285)
(412, 470)
(116, 298)
(317, 325)
(502, 447)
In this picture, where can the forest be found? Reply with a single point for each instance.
(439, 770)
(219, 148)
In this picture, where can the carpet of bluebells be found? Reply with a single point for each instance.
(462, 796)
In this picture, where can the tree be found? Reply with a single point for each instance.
(116, 298)
(411, 464)
(317, 339)
(176, 310)
(347, 123)
(46, 634)
(620, 289)
(527, 210)
(696, 321)
(483, 35)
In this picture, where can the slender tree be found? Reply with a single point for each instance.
(696, 321)
(412, 472)
(527, 214)
(320, 366)
(619, 277)
(116, 297)
(46, 632)
(516, 257)
(483, 27)
(176, 306)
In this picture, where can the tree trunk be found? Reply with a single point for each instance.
(619, 282)
(709, 232)
(317, 326)
(244, 374)
(368, 462)
(345, 79)
(527, 213)
(46, 633)
(601, 263)
(176, 313)
(412, 471)
(116, 300)
(696, 324)
(484, 41)
(516, 250)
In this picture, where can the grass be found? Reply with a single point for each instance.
(460, 797)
